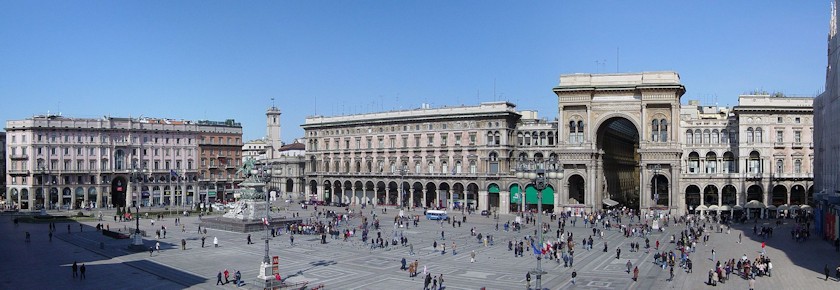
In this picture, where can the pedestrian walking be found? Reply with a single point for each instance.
(249, 240)
(472, 258)
(157, 247)
(151, 251)
(183, 244)
(763, 250)
(411, 249)
(402, 262)
(215, 242)
(82, 271)
(27, 237)
(527, 280)
(636, 273)
(291, 240)
(75, 268)
(826, 272)
(426, 280)
(617, 253)
(713, 255)
(629, 266)
(219, 278)
(752, 283)
(202, 241)
(574, 273)
(739, 238)
(227, 275)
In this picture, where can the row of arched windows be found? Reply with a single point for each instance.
(576, 132)
(536, 138)
(659, 130)
(709, 136)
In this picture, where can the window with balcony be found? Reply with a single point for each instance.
(431, 167)
(693, 163)
(797, 166)
(797, 136)
(711, 163)
(473, 168)
(754, 163)
(780, 136)
(780, 166)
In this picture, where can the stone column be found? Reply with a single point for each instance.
(504, 202)
(72, 199)
(99, 198)
(484, 200)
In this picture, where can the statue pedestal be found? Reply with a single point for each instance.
(248, 210)
(265, 278)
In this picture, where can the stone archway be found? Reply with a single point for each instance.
(618, 139)
(577, 189)
(779, 196)
(659, 190)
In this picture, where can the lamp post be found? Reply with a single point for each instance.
(138, 176)
(538, 177)
(656, 169)
(403, 171)
(262, 174)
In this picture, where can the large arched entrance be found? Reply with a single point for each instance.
(619, 139)
(692, 198)
(577, 189)
(659, 190)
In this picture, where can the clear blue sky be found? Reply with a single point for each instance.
(226, 59)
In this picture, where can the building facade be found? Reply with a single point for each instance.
(827, 139)
(759, 152)
(220, 151)
(619, 139)
(424, 157)
(3, 166)
(73, 163)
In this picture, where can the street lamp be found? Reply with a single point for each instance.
(538, 177)
(403, 171)
(138, 176)
(262, 173)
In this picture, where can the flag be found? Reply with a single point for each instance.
(536, 251)
(173, 173)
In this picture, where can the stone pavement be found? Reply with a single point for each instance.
(353, 265)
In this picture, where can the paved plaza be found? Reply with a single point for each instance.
(42, 264)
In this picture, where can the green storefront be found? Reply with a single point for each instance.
(531, 199)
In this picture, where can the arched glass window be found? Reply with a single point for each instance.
(572, 132)
(444, 167)
(755, 163)
(715, 136)
(758, 134)
(698, 137)
(711, 163)
(472, 167)
(797, 166)
(654, 132)
(706, 137)
(724, 137)
(458, 167)
(417, 167)
(494, 162)
(689, 137)
(431, 167)
(750, 135)
(663, 130)
(580, 132)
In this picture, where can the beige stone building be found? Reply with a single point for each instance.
(619, 139)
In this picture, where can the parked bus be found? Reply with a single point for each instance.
(436, 215)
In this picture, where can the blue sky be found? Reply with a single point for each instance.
(226, 59)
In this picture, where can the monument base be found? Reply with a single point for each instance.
(137, 244)
(265, 279)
